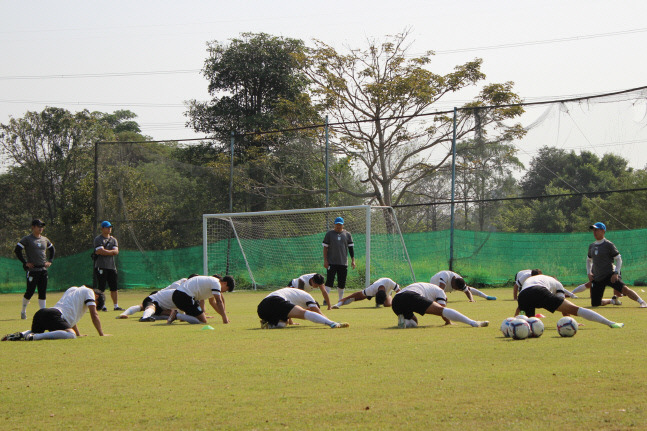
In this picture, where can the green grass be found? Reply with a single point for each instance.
(369, 376)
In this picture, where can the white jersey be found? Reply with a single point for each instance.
(306, 281)
(164, 299)
(295, 296)
(176, 284)
(550, 283)
(428, 291)
(201, 287)
(74, 303)
(389, 285)
(522, 276)
(444, 277)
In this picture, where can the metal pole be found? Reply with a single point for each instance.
(231, 174)
(451, 228)
(327, 184)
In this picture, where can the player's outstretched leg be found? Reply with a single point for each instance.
(482, 295)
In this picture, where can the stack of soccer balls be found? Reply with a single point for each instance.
(522, 327)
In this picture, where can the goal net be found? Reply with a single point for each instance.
(268, 249)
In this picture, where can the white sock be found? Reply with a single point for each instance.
(42, 303)
(580, 288)
(341, 293)
(25, 302)
(148, 312)
(55, 335)
(348, 301)
(328, 289)
(593, 316)
(116, 305)
(25, 333)
(186, 318)
(452, 314)
(132, 310)
(569, 294)
(478, 293)
(317, 318)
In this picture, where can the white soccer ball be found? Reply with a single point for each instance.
(522, 317)
(505, 327)
(536, 327)
(567, 326)
(519, 329)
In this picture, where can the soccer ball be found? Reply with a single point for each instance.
(567, 326)
(522, 317)
(519, 329)
(505, 327)
(536, 327)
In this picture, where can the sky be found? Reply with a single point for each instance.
(146, 56)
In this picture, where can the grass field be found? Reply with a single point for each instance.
(369, 376)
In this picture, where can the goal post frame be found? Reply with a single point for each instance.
(367, 208)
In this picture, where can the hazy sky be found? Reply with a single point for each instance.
(145, 56)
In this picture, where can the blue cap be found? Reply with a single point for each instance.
(598, 225)
(339, 220)
(106, 224)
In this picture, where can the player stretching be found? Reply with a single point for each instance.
(279, 308)
(308, 281)
(190, 297)
(537, 292)
(450, 281)
(61, 319)
(426, 298)
(381, 290)
(599, 266)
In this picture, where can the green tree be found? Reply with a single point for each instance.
(256, 86)
(376, 96)
(555, 171)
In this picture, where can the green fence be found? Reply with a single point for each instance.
(483, 258)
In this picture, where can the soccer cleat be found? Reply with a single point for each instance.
(339, 325)
(122, 316)
(118, 309)
(401, 321)
(483, 324)
(265, 324)
(410, 323)
(172, 317)
(491, 298)
(23, 315)
(335, 307)
(29, 337)
(616, 325)
(147, 319)
(16, 336)
(643, 304)
(615, 300)
(104, 309)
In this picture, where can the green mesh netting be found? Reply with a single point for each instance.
(481, 257)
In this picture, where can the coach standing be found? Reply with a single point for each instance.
(600, 268)
(36, 247)
(106, 248)
(337, 245)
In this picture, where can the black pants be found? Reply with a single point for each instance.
(36, 279)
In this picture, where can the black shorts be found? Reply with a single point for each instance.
(274, 309)
(341, 271)
(538, 297)
(36, 279)
(187, 303)
(107, 275)
(148, 301)
(406, 303)
(598, 286)
(48, 319)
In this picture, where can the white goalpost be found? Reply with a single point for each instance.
(267, 249)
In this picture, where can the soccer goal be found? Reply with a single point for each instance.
(267, 249)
